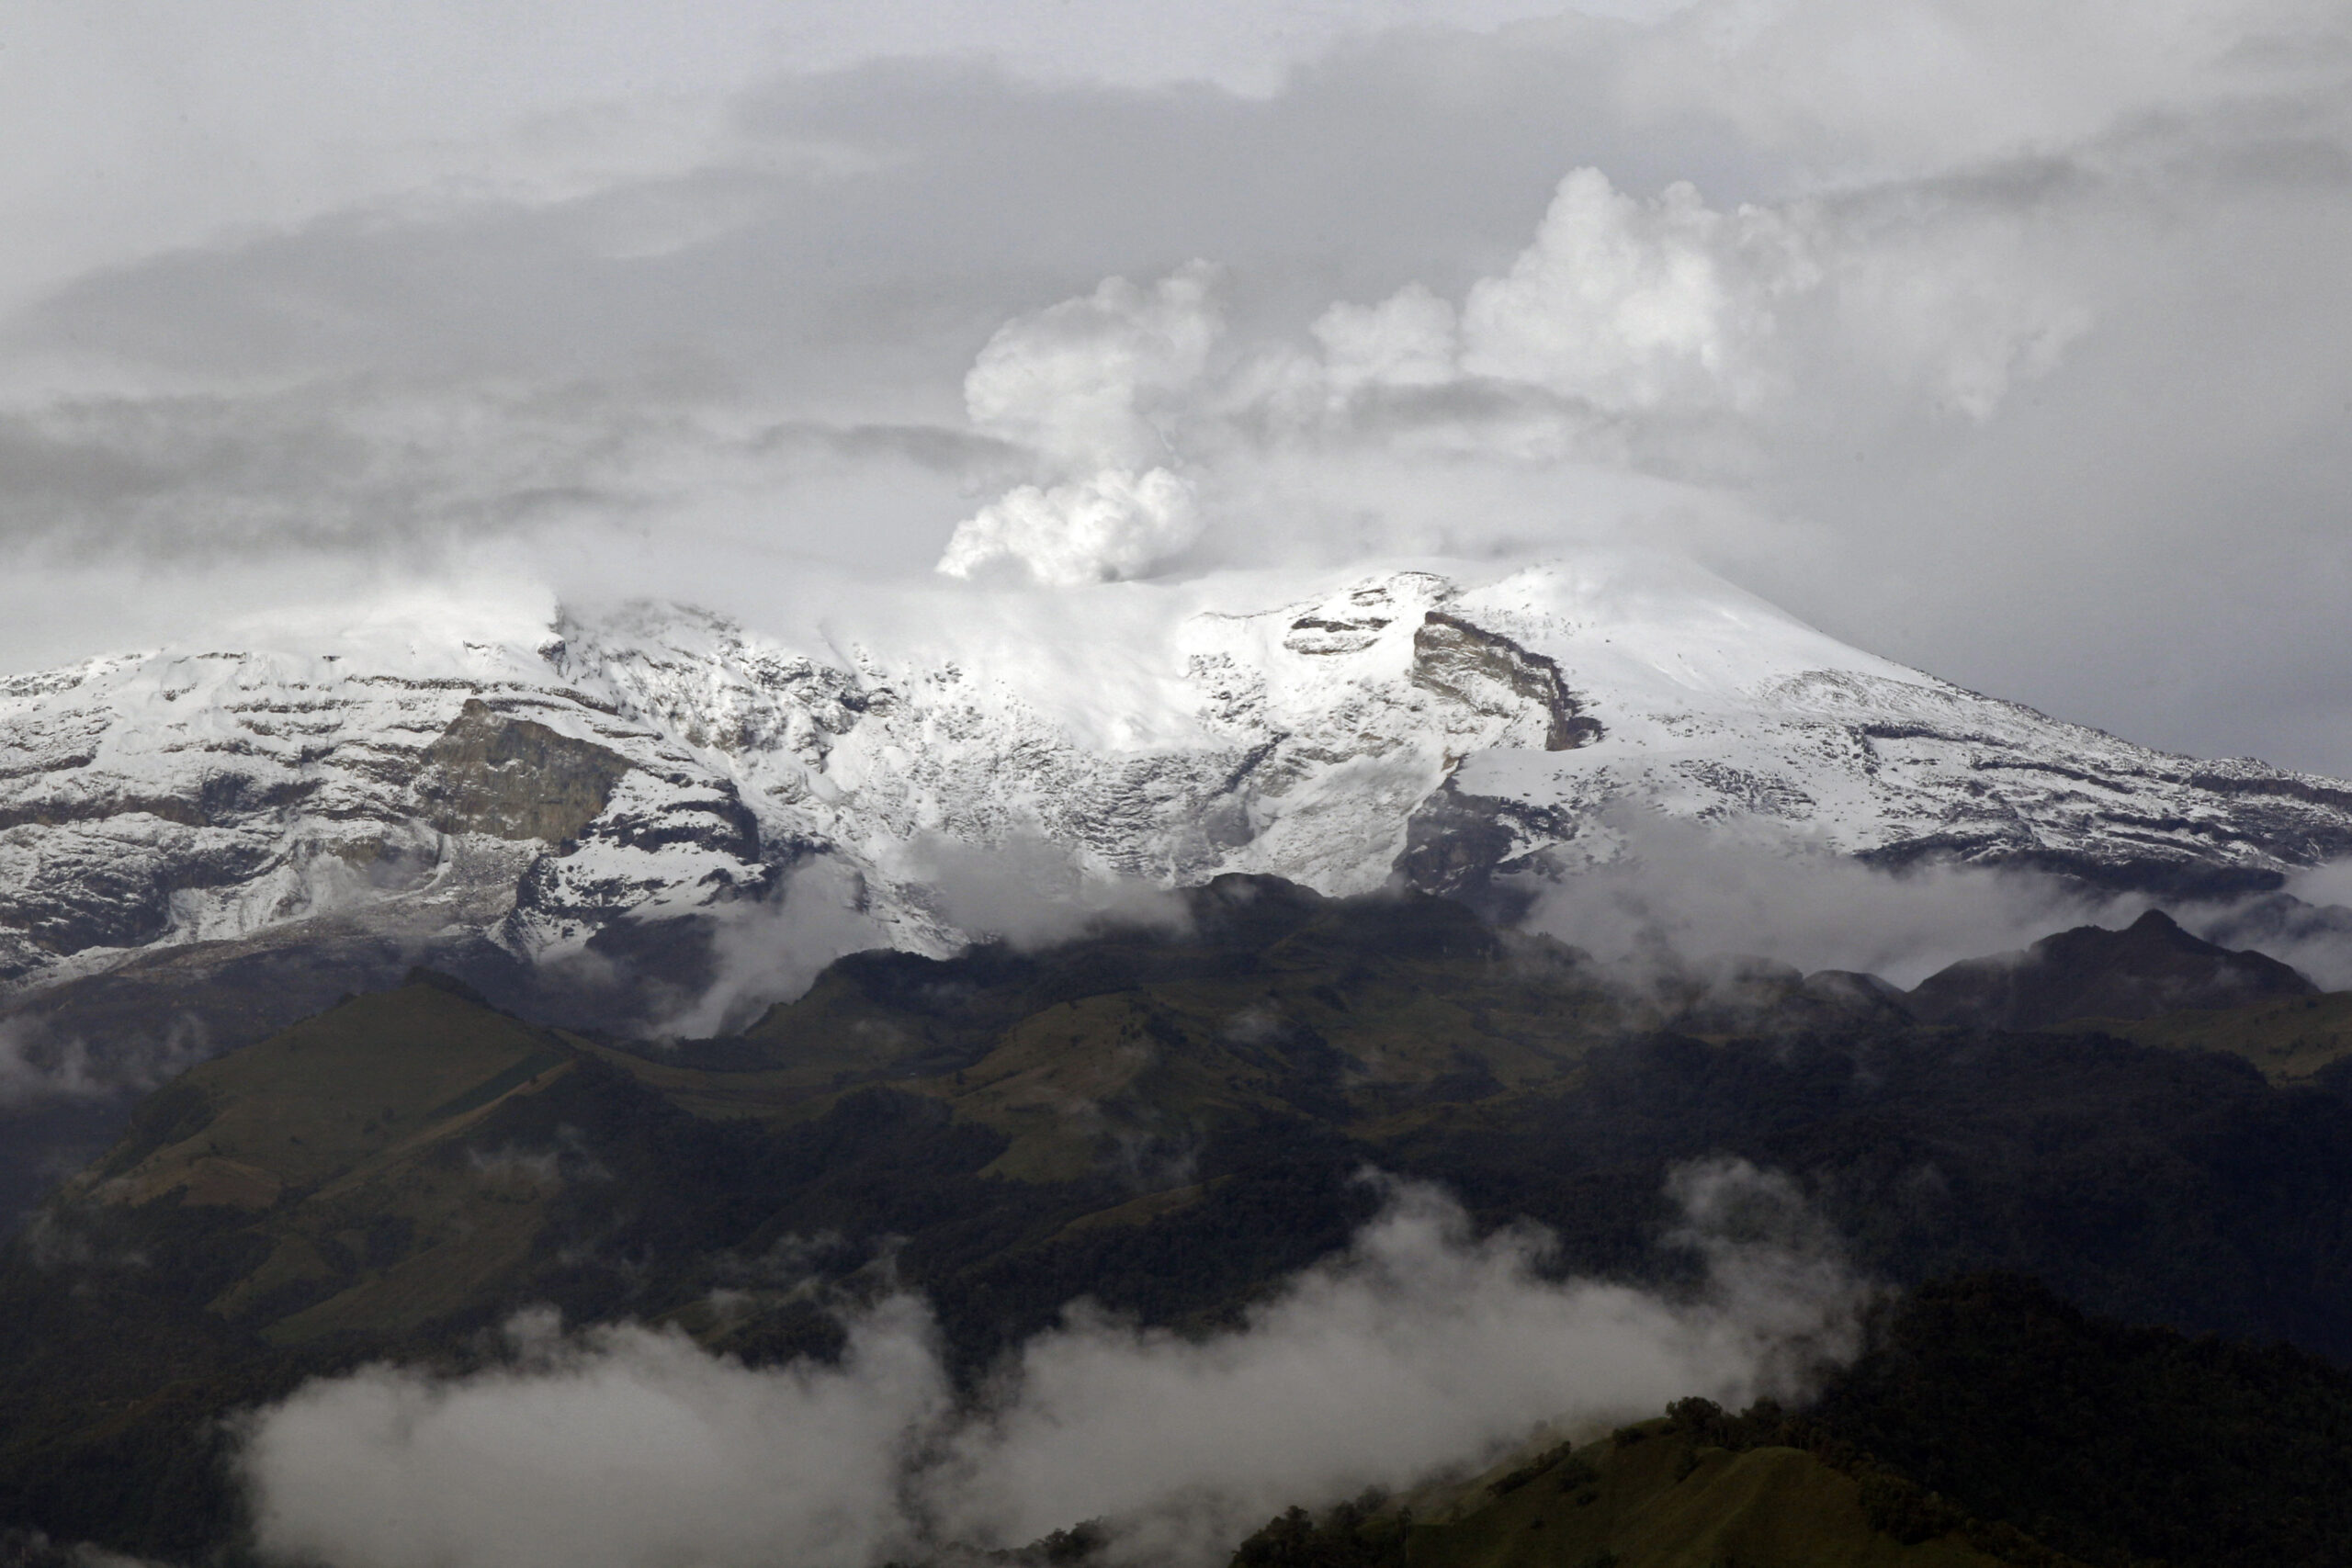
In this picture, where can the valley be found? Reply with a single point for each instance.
(1170, 1124)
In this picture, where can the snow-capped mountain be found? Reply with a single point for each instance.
(1428, 722)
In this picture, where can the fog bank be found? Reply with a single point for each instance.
(1418, 1348)
(1684, 892)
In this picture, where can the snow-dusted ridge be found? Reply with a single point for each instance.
(1433, 720)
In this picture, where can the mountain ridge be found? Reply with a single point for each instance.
(1162, 1121)
(591, 787)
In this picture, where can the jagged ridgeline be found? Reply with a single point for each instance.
(279, 825)
(1169, 1124)
(200, 845)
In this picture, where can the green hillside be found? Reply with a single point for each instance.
(342, 1141)
(2289, 1039)
(1661, 1495)
(1168, 1127)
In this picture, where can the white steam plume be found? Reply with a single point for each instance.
(1084, 384)
(1081, 381)
(1418, 1349)
(1629, 326)
(1110, 525)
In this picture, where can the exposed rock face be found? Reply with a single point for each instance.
(1488, 672)
(1464, 846)
(581, 786)
(513, 779)
(201, 798)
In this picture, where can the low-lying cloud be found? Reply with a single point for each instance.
(1030, 892)
(1682, 893)
(1418, 1348)
(2307, 924)
(1026, 892)
(40, 1062)
(773, 950)
(623, 1446)
(1677, 901)
(1682, 901)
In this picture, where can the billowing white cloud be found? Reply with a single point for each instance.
(1112, 524)
(1411, 339)
(1634, 305)
(1658, 334)
(1670, 306)
(1418, 1348)
(1955, 307)
(623, 1448)
(1082, 380)
(1087, 385)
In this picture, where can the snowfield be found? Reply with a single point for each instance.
(1436, 722)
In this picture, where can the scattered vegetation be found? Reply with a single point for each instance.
(1171, 1127)
(1989, 1422)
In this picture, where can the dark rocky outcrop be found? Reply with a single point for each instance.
(2152, 967)
(1465, 846)
(513, 779)
(1475, 666)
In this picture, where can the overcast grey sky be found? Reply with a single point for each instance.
(2009, 340)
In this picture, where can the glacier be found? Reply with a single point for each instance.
(553, 787)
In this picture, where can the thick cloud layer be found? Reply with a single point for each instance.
(1418, 1348)
(2004, 343)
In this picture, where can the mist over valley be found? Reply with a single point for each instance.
(1310, 787)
